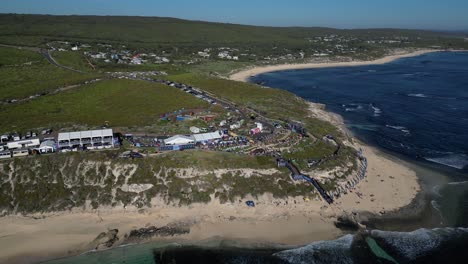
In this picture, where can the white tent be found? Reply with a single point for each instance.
(194, 130)
(207, 136)
(47, 146)
(179, 140)
(27, 143)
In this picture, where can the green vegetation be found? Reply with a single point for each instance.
(274, 103)
(64, 181)
(120, 102)
(224, 68)
(182, 37)
(42, 183)
(25, 73)
(74, 60)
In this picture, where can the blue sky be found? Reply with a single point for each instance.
(425, 14)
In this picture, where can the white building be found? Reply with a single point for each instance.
(205, 137)
(179, 140)
(90, 139)
(47, 146)
(27, 143)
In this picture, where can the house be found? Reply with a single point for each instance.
(258, 129)
(27, 143)
(206, 137)
(90, 138)
(47, 146)
(179, 140)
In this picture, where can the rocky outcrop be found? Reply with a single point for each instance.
(138, 235)
(105, 239)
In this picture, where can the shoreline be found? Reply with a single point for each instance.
(389, 186)
(245, 74)
(30, 239)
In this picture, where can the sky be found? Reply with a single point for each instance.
(418, 14)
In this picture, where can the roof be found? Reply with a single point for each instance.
(178, 139)
(85, 134)
(207, 136)
(48, 143)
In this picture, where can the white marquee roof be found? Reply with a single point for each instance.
(207, 136)
(85, 134)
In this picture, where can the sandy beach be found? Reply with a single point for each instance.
(389, 185)
(296, 221)
(244, 75)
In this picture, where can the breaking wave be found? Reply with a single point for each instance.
(399, 128)
(420, 95)
(352, 107)
(420, 243)
(440, 245)
(377, 111)
(334, 251)
(454, 160)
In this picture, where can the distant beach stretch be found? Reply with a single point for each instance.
(244, 75)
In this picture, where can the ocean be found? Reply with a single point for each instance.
(415, 108)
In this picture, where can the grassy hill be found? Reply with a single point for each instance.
(163, 32)
(25, 73)
(121, 102)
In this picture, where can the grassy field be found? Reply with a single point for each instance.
(75, 60)
(120, 102)
(25, 73)
(274, 102)
(183, 36)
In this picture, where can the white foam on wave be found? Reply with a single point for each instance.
(457, 183)
(334, 251)
(420, 95)
(399, 128)
(436, 206)
(419, 242)
(377, 111)
(436, 190)
(458, 161)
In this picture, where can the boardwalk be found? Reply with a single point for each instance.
(296, 175)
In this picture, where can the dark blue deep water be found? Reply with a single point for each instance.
(414, 106)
